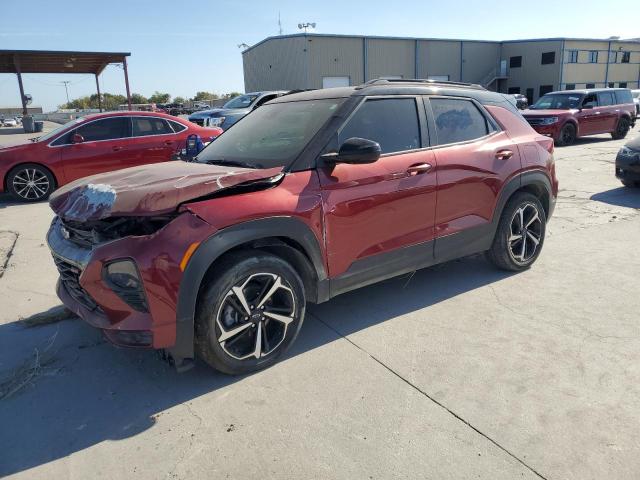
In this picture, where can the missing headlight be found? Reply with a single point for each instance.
(123, 278)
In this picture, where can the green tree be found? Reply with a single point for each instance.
(200, 96)
(159, 97)
(109, 102)
(231, 94)
(138, 98)
(179, 100)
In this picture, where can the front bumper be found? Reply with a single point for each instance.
(628, 166)
(548, 130)
(83, 289)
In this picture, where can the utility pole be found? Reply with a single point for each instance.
(279, 25)
(66, 89)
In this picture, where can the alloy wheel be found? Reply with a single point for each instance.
(31, 184)
(254, 315)
(525, 233)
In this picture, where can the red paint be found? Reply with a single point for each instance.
(70, 162)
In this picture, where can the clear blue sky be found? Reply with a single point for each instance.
(182, 46)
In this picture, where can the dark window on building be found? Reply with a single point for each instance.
(458, 120)
(612, 85)
(393, 123)
(529, 95)
(591, 85)
(622, 84)
(544, 89)
(570, 86)
(107, 129)
(548, 58)
(572, 56)
(143, 126)
(606, 98)
(623, 96)
(515, 62)
(593, 56)
(626, 57)
(513, 90)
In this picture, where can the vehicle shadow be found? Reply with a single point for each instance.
(102, 393)
(621, 197)
(11, 130)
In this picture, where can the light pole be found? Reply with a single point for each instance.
(66, 89)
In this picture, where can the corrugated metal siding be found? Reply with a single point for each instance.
(439, 58)
(280, 64)
(532, 74)
(336, 57)
(478, 60)
(390, 57)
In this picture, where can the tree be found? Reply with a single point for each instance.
(179, 100)
(138, 98)
(159, 97)
(231, 94)
(109, 102)
(200, 96)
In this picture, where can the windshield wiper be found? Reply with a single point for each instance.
(230, 163)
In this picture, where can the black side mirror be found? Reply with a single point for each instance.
(77, 138)
(358, 150)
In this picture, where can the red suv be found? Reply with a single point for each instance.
(569, 114)
(312, 195)
(92, 144)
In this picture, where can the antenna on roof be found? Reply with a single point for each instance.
(279, 25)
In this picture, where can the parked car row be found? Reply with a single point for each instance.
(10, 122)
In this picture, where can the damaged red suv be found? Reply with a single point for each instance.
(312, 195)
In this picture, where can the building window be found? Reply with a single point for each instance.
(626, 57)
(570, 86)
(573, 56)
(513, 90)
(593, 56)
(515, 62)
(612, 85)
(548, 58)
(613, 57)
(544, 89)
(622, 84)
(590, 85)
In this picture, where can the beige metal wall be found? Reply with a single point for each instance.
(532, 74)
(335, 57)
(390, 57)
(439, 57)
(278, 64)
(479, 60)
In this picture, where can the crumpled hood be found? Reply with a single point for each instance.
(153, 189)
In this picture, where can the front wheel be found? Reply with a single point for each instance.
(621, 129)
(630, 184)
(30, 183)
(520, 233)
(250, 314)
(567, 135)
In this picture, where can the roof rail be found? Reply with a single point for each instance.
(385, 81)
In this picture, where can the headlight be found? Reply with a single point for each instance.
(548, 120)
(215, 121)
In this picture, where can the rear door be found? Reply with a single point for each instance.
(153, 140)
(104, 147)
(474, 158)
(372, 211)
(590, 119)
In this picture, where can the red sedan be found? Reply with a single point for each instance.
(93, 144)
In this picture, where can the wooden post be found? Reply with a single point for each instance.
(126, 81)
(99, 97)
(16, 62)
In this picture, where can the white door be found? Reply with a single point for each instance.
(330, 82)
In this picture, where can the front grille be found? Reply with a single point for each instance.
(70, 278)
(78, 234)
(198, 121)
(534, 121)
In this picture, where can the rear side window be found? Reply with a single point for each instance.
(623, 96)
(177, 126)
(606, 98)
(143, 126)
(106, 129)
(458, 120)
(392, 122)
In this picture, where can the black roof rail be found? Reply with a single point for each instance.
(385, 81)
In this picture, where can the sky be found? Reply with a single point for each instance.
(185, 46)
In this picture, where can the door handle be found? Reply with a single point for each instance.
(116, 148)
(419, 168)
(504, 154)
(168, 142)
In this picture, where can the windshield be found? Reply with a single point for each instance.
(243, 101)
(271, 136)
(557, 102)
(636, 93)
(60, 129)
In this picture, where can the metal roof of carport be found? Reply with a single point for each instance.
(43, 61)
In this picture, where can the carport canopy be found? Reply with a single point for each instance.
(49, 61)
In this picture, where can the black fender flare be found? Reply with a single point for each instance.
(218, 244)
(535, 178)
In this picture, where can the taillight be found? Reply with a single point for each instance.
(546, 143)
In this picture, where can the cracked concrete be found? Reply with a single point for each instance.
(456, 372)
(7, 244)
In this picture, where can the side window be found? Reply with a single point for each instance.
(107, 129)
(143, 126)
(177, 126)
(265, 99)
(458, 120)
(392, 122)
(591, 99)
(623, 96)
(606, 98)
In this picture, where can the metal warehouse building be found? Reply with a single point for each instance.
(530, 67)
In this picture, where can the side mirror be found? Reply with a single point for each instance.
(77, 138)
(358, 150)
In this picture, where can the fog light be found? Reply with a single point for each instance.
(123, 278)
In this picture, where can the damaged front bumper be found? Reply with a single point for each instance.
(86, 290)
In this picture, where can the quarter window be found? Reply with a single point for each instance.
(106, 129)
(458, 120)
(177, 126)
(392, 122)
(623, 96)
(143, 126)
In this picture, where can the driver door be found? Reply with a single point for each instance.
(590, 119)
(372, 211)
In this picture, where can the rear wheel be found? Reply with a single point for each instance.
(520, 233)
(250, 314)
(621, 129)
(567, 135)
(30, 182)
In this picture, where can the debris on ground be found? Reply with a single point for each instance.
(53, 315)
(7, 244)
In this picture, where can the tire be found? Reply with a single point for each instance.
(630, 184)
(507, 251)
(621, 129)
(567, 135)
(221, 310)
(30, 182)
